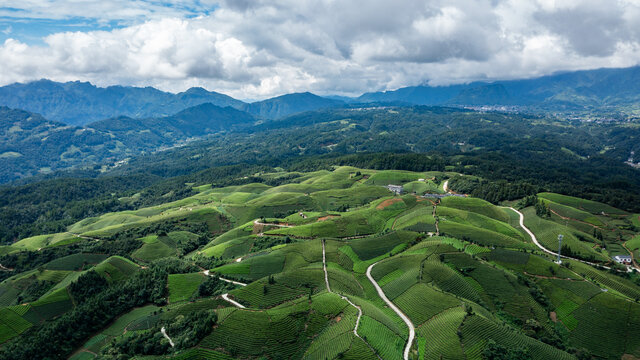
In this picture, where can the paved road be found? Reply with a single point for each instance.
(164, 333)
(535, 241)
(226, 295)
(326, 280)
(412, 329)
(237, 304)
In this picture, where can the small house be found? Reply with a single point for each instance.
(396, 189)
(623, 259)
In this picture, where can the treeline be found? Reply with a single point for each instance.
(57, 339)
(517, 155)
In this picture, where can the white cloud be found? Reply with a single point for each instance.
(257, 49)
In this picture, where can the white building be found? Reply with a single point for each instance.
(623, 259)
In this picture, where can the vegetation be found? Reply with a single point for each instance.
(479, 289)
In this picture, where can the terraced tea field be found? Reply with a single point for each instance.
(338, 267)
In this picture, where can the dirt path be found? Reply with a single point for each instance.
(82, 236)
(624, 245)
(412, 329)
(576, 220)
(164, 333)
(326, 280)
(257, 222)
(5, 268)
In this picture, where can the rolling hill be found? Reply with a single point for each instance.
(289, 104)
(327, 264)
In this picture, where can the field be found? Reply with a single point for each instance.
(183, 286)
(481, 278)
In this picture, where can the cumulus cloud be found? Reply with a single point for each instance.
(257, 49)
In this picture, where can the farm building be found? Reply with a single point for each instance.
(397, 189)
(623, 259)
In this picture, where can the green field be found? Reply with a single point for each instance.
(183, 286)
(480, 279)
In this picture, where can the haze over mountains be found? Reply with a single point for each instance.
(80, 103)
(47, 126)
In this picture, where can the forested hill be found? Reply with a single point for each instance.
(601, 89)
(289, 104)
(80, 103)
(31, 145)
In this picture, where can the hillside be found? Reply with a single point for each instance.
(598, 90)
(31, 145)
(328, 264)
(289, 104)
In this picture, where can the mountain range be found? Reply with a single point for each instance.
(47, 126)
(81, 103)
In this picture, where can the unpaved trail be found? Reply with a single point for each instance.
(82, 236)
(257, 222)
(412, 329)
(624, 245)
(326, 280)
(164, 333)
(445, 186)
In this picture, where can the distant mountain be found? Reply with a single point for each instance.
(289, 104)
(570, 90)
(195, 121)
(31, 144)
(79, 103)
(491, 94)
(421, 95)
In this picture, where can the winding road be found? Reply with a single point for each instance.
(225, 296)
(412, 329)
(164, 333)
(535, 241)
(326, 280)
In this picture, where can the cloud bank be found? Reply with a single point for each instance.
(257, 49)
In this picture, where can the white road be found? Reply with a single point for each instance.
(206, 273)
(326, 280)
(226, 296)
(164, 333)
(535, 241)
(445, 186)
(412, 329)
(324, 267)
(235, 303)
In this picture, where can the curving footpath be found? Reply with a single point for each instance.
(412, 329)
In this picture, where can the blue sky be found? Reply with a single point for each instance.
(30, 22)
(32, 31)
(262, 48)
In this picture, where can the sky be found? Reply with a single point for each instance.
(255, 49)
